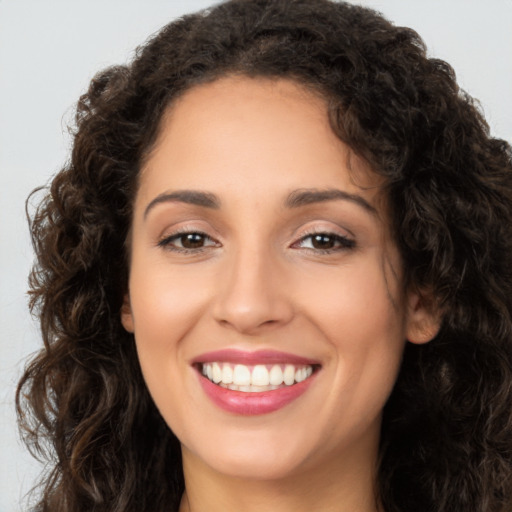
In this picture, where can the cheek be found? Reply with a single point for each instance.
(358, 315)
(356, 302)
(165, 304)
(165, 301)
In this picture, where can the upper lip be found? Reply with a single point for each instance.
(250, 358)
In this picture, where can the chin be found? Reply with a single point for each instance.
(246, 459)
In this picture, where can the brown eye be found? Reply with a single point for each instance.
(326, 242)
(189, 241)
(192, 240)
(323, 241)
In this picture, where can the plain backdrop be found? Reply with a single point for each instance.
(49, 51)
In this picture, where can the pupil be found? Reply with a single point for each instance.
(323, 242)
(192, 240)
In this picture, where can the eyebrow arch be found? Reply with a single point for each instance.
(195, 197)
(303, 197)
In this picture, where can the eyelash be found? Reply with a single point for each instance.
(342, 242)
(167, 242)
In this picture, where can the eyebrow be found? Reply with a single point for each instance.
(304, 197)
(195, 197)
(295, 199)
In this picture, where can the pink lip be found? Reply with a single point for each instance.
(239, 402)
(252, 358)
(250, 404)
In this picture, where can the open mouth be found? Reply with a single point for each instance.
(254, 382)
(255, 378)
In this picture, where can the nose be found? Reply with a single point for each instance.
(253, 296)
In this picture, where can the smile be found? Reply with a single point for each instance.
(257, 378)
(252, 383)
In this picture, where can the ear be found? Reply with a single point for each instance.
(126, 314)
(423, 318)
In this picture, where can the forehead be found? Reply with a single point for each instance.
(265, 134)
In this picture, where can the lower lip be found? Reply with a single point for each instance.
(250, 404)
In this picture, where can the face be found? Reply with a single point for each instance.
(261, 257)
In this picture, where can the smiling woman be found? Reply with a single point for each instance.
(271, 271)
(276, 276)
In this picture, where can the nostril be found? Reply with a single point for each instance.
(251, 298)
(248, 325)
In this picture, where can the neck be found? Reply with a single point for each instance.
(346, 487)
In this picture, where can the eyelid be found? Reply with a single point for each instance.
(165, 241)
(322, 227)
(176, 235)
(180, 226)
(347, 241)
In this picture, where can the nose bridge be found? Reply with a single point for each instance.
(251, 296)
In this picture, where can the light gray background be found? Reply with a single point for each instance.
(50, 49)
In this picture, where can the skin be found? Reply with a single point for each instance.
(257, 281)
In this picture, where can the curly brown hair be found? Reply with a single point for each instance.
(446, 441)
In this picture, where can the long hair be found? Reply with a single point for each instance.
(446, 442)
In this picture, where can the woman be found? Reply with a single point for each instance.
(276, 275)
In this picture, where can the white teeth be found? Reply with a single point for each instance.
(216, 373)
(301, 375)
(255, 378)
(289, 374)
(306, 372)
(260, 376)
(256, 389)
(227, 374)
(241, 375)
(276, 375)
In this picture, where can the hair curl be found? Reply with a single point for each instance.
(447, 429)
